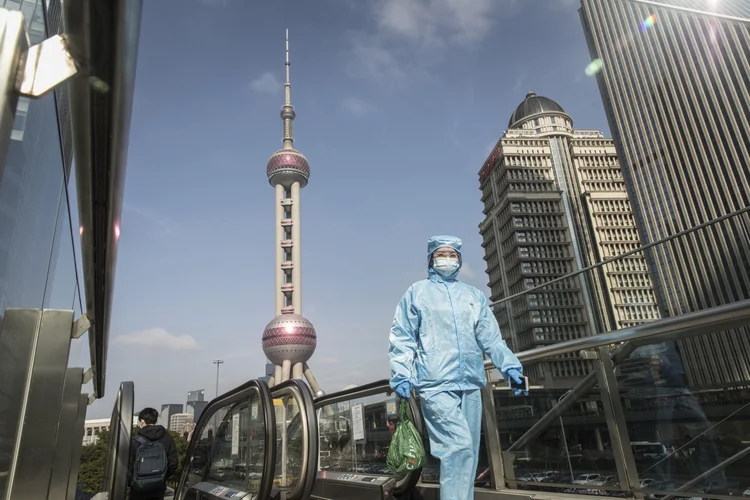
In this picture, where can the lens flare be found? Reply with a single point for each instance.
(594, 67)
(649, 22)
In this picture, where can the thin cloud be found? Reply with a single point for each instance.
(153, 216)
(427, 26)
(467, 271)
(214, 3)
(370, 59)
(356, 106)
(327, 361)
(564, 4)
(266, 83)
(158, 338)
(433, 23)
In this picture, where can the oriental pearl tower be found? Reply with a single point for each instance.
(289, 340)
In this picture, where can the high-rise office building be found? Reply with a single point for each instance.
(195, 408)
(289, 340)
(555, 202)
(675, 81)
(198, 395)
(165, 416)
(196, 403)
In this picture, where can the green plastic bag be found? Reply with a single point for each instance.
(406, 453)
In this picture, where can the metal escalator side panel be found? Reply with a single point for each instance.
(252, 390)
(306, 422)
(115, 481)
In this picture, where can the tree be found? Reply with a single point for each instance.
(181, 444)
(93, 463)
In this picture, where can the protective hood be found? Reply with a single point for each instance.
(153, 432)
(439, 242)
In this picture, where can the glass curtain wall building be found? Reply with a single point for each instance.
(38, 247)
(675, 82)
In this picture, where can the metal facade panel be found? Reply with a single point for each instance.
(66, 436)
(35, 449)
(17, 340)
(75, 462)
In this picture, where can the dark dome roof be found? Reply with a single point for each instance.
(532, 105)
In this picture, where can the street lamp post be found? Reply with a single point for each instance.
(565, 440)
(218, 363)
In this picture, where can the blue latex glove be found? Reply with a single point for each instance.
(404, 390)
(516, 376)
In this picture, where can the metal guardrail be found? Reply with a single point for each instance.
(714, 319)
(635, 251)
(103, 38)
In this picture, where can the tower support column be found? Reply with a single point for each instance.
(279, 272)
(296, 250)
(297, 371)
(286, 369)
(311, 379)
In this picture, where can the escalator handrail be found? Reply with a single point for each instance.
(236, 395)
(362, 391)
(409, 481)
(310, 437)
(118, 449)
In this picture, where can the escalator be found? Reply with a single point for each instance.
(355, 420)
(253, 443)
(259, 443)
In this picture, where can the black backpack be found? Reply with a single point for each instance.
(150, 467)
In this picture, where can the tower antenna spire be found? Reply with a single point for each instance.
(287, 85)
(287, 112)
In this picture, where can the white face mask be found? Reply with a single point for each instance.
(445, 265)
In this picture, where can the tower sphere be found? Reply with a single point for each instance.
(289, 337)
(287, 112)
(287, 166)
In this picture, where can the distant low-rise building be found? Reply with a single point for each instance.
(92, 428)
(181, 423)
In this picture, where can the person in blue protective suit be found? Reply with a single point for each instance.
(440, 331)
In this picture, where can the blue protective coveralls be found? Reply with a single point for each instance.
(440, 330)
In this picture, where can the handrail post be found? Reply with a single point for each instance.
(492, 437)
(627, 472)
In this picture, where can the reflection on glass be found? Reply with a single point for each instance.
(31, 179)
(679, 432)
(355, 435)
(232, 456)
(575, 450)
(289, 446)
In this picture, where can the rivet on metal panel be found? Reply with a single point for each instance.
(47, 65)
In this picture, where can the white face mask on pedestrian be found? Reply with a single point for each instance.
(445, 266)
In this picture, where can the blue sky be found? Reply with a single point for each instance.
(398, 104)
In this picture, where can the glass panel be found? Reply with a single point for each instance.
(234, 455)
(678, 430)
(574, 452)
(31, 178)
(289, 446)
(61, 277)
(346, 446)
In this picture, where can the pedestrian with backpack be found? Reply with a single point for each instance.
(153, 458)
